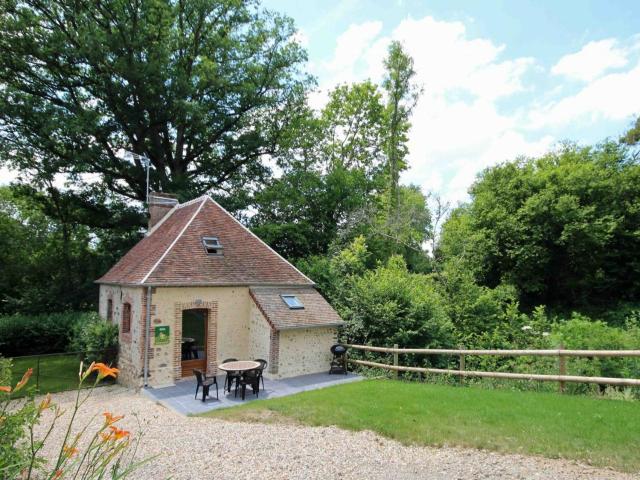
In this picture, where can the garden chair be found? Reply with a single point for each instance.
(231, 376)
(263, 365)
(249, 378)
(205, 383)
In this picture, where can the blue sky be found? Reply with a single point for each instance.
(501, 78)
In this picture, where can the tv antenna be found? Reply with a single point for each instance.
(146, 162)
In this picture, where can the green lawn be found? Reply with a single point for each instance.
(57, 372)
(597, 431)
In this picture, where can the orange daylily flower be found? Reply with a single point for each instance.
(45, 403)
(118, 433)
(5, 389)
(104, 370)
(70, 451)
(110, 419)
(25, 379)
(58, 474)
(105, 436)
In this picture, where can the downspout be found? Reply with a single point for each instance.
(147, 338)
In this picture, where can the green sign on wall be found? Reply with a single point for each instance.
(161, 336)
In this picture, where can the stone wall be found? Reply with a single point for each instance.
(260, 339)
(228, 327)
(305, 350)
(130, 354)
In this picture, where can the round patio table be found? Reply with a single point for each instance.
(239, 366)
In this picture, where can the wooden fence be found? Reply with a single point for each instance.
(561, 353)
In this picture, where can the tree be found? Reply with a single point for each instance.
(632, 136)
(562, 228)
(204, 88)
(402, 96)
(333, 166)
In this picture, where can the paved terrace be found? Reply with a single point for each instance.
(179, 397)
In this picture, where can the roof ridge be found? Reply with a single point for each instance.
(193, 200)
(175, 240)
(259, 239)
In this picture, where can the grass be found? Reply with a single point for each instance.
(57, 373)
(600, 432)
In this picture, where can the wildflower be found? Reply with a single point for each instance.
(110, 419)
(545, 334)
(25, 379)
(118, 433)
(58, 474)
(5, 389)
(45, 403)
(526, 327)
(104, 370)
(69, 451)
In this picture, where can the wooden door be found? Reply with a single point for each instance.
(194, 340)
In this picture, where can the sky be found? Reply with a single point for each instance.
(501, 78)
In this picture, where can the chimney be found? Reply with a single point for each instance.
(159, 205)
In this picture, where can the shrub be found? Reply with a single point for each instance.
(33, 335)
(391, 305)
(95, 335)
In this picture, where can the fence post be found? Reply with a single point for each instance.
(38, 374)
(395, 361)
(462, 366)
(562, 367)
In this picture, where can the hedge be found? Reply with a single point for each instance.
(38, 334)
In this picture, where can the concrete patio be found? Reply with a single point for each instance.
(180, 397)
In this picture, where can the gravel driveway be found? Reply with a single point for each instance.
(199, 448)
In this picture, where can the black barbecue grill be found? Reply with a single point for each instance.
(339, 362)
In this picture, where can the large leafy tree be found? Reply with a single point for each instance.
(563, 228)
(333, 167)
(204, 88)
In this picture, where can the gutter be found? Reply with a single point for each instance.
(147, 338)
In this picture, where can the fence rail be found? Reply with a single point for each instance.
(561, 353)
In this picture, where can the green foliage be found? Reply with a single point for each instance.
(204, 89)
(563, 229)
(32, 335)
(391, 305)
(93, 334)
(5, 370)
(50, 265)
(632, 136)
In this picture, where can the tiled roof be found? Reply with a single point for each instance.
(172, 253)
(316, 312)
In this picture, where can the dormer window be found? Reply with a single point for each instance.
(292, 302)
(212, 245)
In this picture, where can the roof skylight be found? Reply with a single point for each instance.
(292, 302)
(212, 245)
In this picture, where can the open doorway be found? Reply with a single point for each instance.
(194, 340)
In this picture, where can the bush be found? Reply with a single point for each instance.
(96, 335)
(391, 305)
(38, 334)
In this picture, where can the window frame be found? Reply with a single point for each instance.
(126, 317)
(217, 248)
(298, 306)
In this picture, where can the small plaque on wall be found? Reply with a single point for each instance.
(161, 336)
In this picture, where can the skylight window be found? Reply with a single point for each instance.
(292, 302)
(212, 245)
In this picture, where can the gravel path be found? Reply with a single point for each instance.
(199, 448)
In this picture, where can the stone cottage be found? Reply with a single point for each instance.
(200, 288)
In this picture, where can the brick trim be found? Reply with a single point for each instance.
(212, 336)
(274, 351)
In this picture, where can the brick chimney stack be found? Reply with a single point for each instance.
(159, 205)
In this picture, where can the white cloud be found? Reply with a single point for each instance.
(592, 60)
(615, 96)
(461, 125)
(457, 128)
